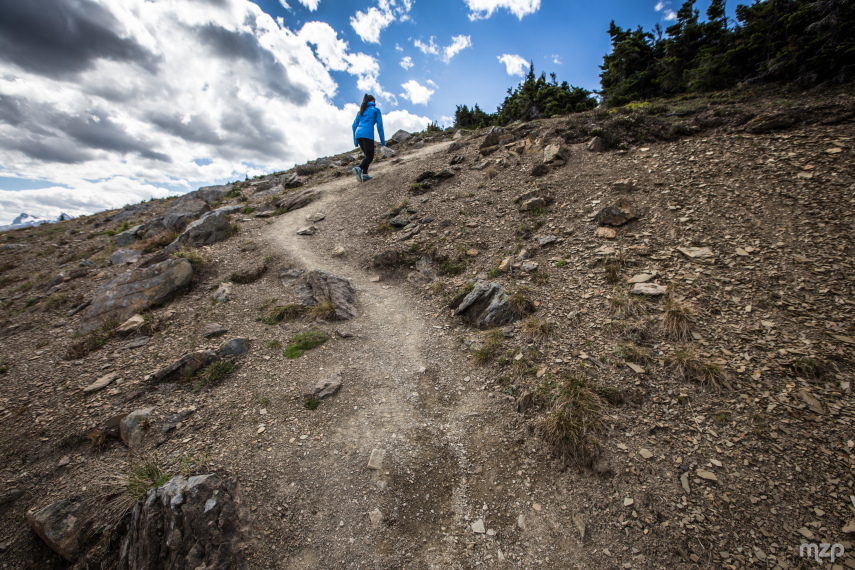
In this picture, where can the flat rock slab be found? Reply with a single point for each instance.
(59, 526)
(323, 388)
(317, 286)
(191, 522)
(617, 214)
(125, 257)
(212, 330)
(184, 211)
(100, 383)
(605, 232)
(136, 291)
(307, 231)
(649, 289)
(134, 426)
(486, 306)
(185, 366)
(211, 228)
(234, 347)
(699, 254)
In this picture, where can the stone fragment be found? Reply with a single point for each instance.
(184, 367)
(493, 137)
(810, 401)
(505, 265)
(136, 343)
(478, 527)
(684, 481)
(704, 474)
(59, 526)
(627, 502)
(318, 286)
(529, 266)
(307, 231)
(399, 221)
(102, 382)
(212, 330)
(234, 347)
(375, 462)
(125, 257)
(194, 522)
(136, 291)
(521, 522)
(376, 517)
(543, 241)
(617, 214)
(649, 289)
(604, 232)
(596, 144)
(172, 422)
(339, 251)
(766, 122)
(134, 426)
(741, 252)
(387, 152)
(316, 217)
(223, 293)
(399, 137)
(636, 368)
(323, 388)
(642, 277)
(536, 203)
(131, 325)
(645, 453)
(623, 185)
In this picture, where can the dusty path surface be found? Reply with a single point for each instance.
(410, 398)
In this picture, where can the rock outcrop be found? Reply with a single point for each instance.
(319, 286)
(188, 523)
(487, 305)
(135, 291)
(59, 526)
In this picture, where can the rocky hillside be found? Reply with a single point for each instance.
(618, 339)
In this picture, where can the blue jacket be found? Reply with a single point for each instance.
(363, 125)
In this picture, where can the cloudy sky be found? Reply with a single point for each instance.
(110, 102)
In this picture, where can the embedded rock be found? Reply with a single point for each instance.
(399, 137)
(125, 257)
(136, 291)
(223, 293)
(597, 144)
(234, 347)
(615, 215)
(127, 237)
(59, 526)
(323, 388)
(298, 200)
(769, 122)
(211, 228)
(317, 286)
(555, 154)
(134, 426)
(486, 306)
(211, 194)
(185, 366)
(194, 522)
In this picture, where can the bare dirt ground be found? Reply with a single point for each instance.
(726, 448)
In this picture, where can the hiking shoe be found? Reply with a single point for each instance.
(357, 172)
(365, 177)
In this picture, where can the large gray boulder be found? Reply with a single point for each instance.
(59, 526)
(135, 291)
(486, 306)
(399, 137)
(127, 237)
(184, 211)
(211, 194)
(317, 286)
(194, 522)
(211, 228)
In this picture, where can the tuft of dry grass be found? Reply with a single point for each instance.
(677, 321)
(492, 343)
(626, 306)
(574, 420)
(520, 304)
(632, 352)
(92, 341)
(325, 310)
(687, 365)
(279, 313)
(537, 328)
(158, 242)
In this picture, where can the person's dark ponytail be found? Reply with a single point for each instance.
(365, 101)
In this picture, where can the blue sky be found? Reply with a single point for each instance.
(107, 102)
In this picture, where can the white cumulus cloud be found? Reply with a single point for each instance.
(458, 44)
(665, 7)
(407, 62)
(431, 47)
(416, 93)
(481, 9)
(157, 98)
(312, 5)
(514, 64)
(370, 23)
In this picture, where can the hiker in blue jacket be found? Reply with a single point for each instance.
(363, 134)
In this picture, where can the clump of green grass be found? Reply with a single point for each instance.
(123, 226)
(539, 277)
(574, 420)
(4, 368)
(92, 341)
(234, 229)
(301, 342)
(195, 258)
(628, 306)
(438, 287)
(537, 328)
(213, 373)
(687, 365)
(142, 476)
(274, 344)
(633, 353)
(677, 321)
(452, 266)
(158, 242)
(279, 313)
(311, 404)
(492, 343)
